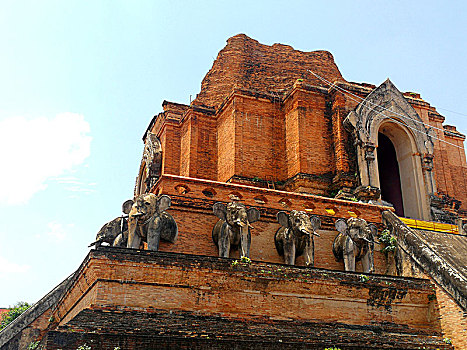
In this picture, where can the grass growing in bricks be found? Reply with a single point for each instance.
(364, 278)
(34, 345)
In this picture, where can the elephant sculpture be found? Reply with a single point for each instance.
(114, 231)
(148, 222)
(233, 228)
(295, 237)
(355, 242)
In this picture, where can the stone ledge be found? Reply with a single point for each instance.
(193, 330)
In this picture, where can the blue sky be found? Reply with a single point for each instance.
(81, 80)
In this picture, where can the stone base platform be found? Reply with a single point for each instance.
(156, 300)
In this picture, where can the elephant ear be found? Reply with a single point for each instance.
(341, 226)
(220, 210)
(374, 230)
(315, 222)
(253, 215)
(283, 218)
(126, 206)
(163, 203)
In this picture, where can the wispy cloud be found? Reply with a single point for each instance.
(36, 150)
(8, 267)
(56, 232)
(73, 184)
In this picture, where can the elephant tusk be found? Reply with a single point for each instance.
(304, 231)
(249, 225)
(241, 223)
(314, 233)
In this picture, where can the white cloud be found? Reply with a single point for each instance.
(8, 267)
(57, 232)
(73, 184)
(35, 150)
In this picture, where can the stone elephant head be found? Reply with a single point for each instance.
(355, 242)
(148, 221)
(295, 237)
(114, 231)
(233, 228)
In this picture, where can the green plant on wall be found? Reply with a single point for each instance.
(84, 347)
(34, 345)
(364, 278)
(245, 260)
(389, 242)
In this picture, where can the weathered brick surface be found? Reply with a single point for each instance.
(269, 118)
(141, 294)
(246, 63)
(157, 329)
(260, 115)
(453, 319)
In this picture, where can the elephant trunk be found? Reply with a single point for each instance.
(245, 240)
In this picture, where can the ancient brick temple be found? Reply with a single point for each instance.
(281, 130)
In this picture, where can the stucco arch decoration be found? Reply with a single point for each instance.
(385, 108)
(151, 164)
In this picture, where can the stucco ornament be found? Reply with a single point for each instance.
(295, 237)
(148, 222)
(386, 110)
(233, 228)
(151, 162)
(355, 242)
(115, 232)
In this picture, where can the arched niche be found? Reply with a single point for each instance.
(412, 185)
(387, 111)
(151, 164)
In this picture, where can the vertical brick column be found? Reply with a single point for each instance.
(344, 178)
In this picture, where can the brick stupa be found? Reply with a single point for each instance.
(267, 129)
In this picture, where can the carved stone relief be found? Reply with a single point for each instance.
(151, 164)
(386, 106)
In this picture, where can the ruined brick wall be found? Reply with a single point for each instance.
(273, 119)
(243, 62)
(453, 319)
(226, 143)
(450, 166)
(255, 125)
(123, 297)
(198, 151)
(310, 131)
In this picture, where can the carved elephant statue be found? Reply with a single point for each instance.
(148, 222)
(233, 228)
(355, 242)
(114, 231)
(295, 237)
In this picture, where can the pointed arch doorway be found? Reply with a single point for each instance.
(389, 176)
(399, 170)
(385, 110)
